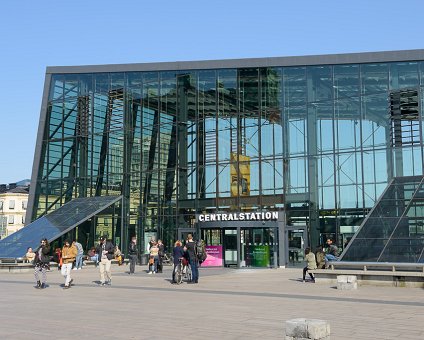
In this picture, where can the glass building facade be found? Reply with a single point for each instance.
(315, 138)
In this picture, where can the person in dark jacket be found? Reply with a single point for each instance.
(161, 253)
(177, 254)
(42, 263)
(132, 254)
(106, 251)
(190, 248)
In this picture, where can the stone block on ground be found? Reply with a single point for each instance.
(347, 282)
(307, 329)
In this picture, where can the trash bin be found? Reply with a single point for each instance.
(144, 259)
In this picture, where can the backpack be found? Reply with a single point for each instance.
(200, 251)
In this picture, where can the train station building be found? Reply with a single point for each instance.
(260, 158)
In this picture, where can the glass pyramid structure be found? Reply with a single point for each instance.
(54, 225)
(393, 231)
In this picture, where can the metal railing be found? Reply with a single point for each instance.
(383, 266)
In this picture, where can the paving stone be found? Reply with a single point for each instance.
(226, 304)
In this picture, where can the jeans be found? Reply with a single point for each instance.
(330, 257)
(195, 270)
(78, 261)
(154, 266)
(133, 260)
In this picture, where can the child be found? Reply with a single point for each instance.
(311, 264)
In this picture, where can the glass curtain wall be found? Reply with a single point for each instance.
(316, 141)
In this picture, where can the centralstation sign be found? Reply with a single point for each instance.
(241, 216)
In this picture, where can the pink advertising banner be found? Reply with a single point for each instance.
(214, 258)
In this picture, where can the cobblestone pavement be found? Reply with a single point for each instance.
(226, 304)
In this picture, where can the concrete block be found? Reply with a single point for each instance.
(307, 329)
(318, 329)
(347, 282)
(297, 328)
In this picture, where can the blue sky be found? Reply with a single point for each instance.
(36, 34)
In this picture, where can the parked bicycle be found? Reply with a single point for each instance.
(182, 271)
(167, 259)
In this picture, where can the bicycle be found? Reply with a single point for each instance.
(167, 259)
(182, 271)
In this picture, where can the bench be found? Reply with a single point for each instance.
(92, 263)
(374, 273)
(12, 260)
(20, 267)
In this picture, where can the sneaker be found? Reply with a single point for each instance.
(66, 287)
(154, 272)
(102, 284)
(75, 269)
(109, 283)
(79, 268)
(150, 273)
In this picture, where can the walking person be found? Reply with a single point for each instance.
(42, 263)
(154, 258)
(132, 254)
(69, 253)
(190, 248)
(105, 249)
(311, 264)
(80, 254)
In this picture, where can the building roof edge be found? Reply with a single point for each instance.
(323, 59)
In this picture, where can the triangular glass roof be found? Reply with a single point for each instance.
(54, 224)
(393, 231)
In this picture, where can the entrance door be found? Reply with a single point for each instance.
(213, 245)
(258, 247)
(230, 247)
(296, 242)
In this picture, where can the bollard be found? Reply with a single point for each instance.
(297, 329)
(347, 282)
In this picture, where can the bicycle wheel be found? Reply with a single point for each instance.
(189, 274)
(178, 276)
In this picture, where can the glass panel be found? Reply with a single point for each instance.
(54, 225)
(404, 75)
(394, 230)
(257, 247)
(364, 250)
(296, 247)
(403, 250)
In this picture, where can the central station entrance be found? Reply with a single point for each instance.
(233, 240)
(242, 247)
(241, 244)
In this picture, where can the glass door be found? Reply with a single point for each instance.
(213, 247)
(296, 242)
(230, 247)
(258, 247)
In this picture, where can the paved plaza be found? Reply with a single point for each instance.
(226, 304)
